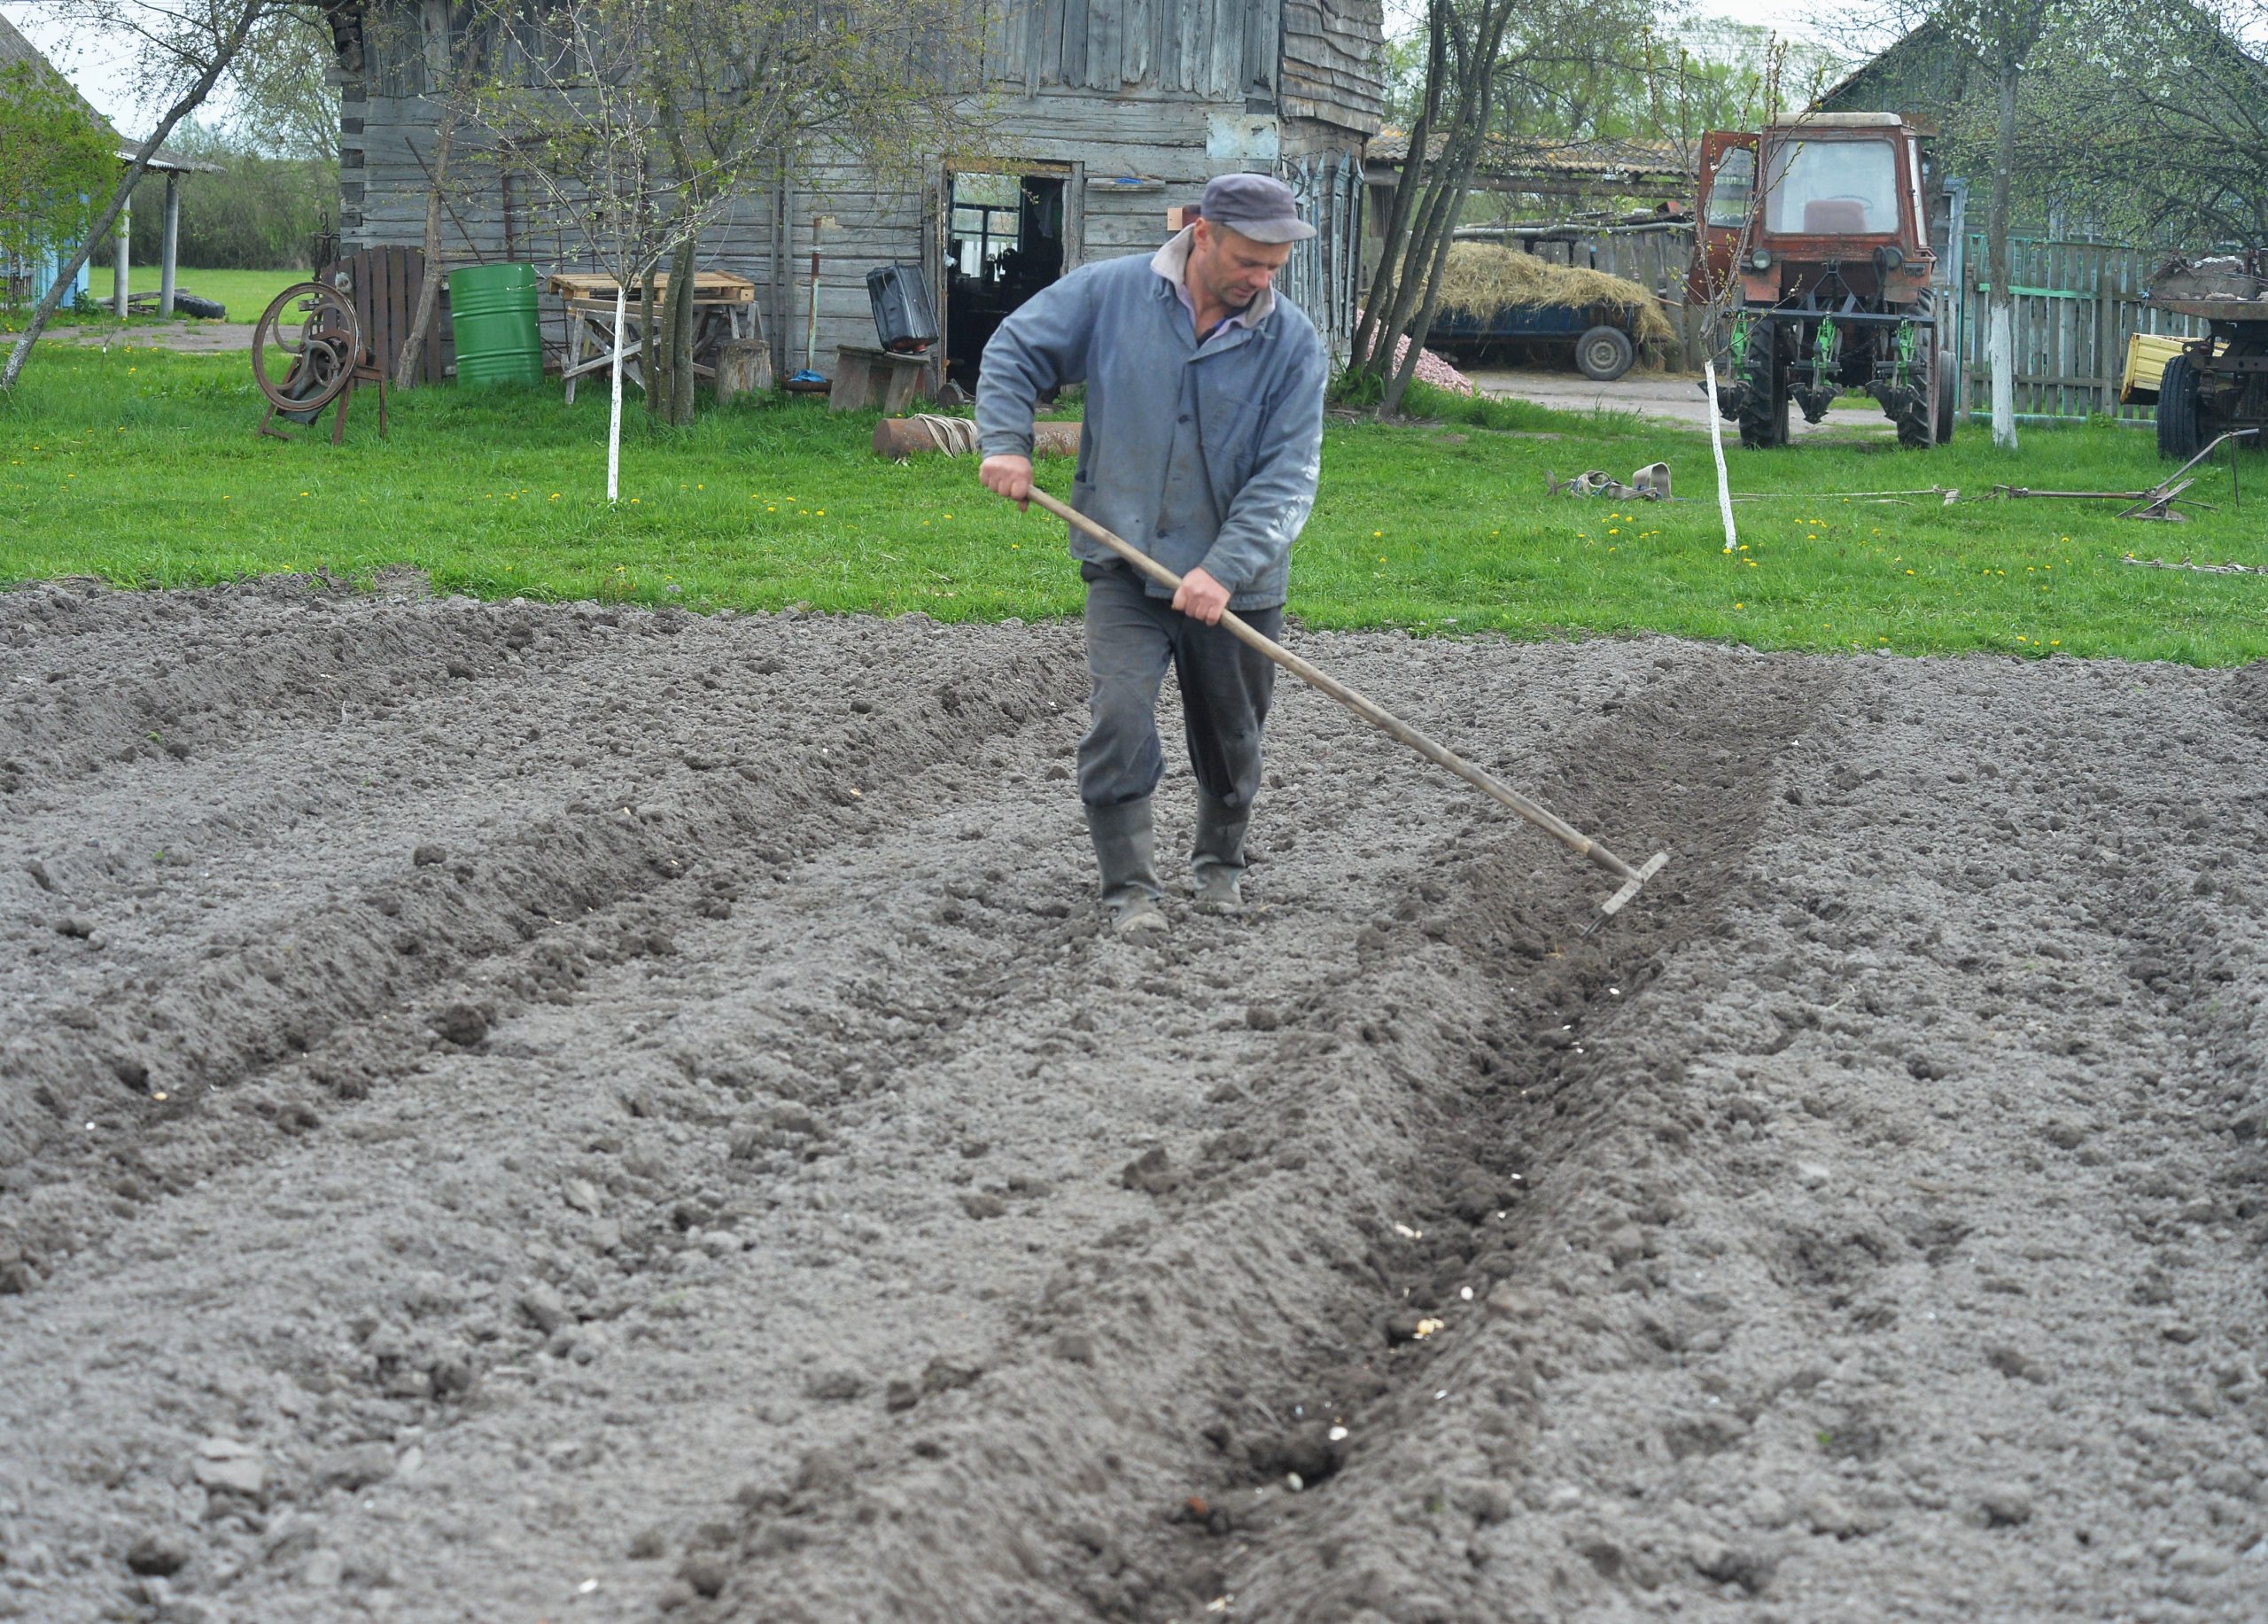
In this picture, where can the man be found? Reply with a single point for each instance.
(1201, 445)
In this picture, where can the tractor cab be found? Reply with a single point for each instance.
(1813, 239)
(1840, 202)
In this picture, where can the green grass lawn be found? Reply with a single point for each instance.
(245, 292)
(142, 467)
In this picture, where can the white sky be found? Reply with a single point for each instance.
(101, 68)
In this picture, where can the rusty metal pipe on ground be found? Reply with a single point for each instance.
(1380, 718)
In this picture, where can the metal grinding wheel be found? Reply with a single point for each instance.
(312, 324)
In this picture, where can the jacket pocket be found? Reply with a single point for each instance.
(1229, 428)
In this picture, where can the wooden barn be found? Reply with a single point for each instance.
(1103, 115)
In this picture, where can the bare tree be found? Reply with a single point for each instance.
(1474, 50)
(285, 102)
(2161, 131)
(182, 48)
(641, 122)
(1998, 47)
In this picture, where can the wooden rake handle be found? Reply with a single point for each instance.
(1379, 716)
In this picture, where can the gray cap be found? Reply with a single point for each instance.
(1254, 205)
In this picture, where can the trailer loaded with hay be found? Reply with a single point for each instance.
(1502, 297)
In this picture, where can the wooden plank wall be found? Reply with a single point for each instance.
(1331, 62)
(2076, 306)
(1120, 87)
(1219, 50)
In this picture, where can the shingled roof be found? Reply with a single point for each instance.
(1587, 172)
(1598, 162)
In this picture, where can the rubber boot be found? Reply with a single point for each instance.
(1126, 852)
(1216, 860)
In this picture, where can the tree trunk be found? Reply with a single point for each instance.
(2000, 327)
(648, 342)
(743, 367)
(685, 320)
(1407, 186)
(1417, 290)
(682, 337)
(663, 351)
(429, 289)
(248, 14)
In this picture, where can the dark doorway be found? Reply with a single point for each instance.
(1004, 242)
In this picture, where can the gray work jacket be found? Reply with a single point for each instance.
(1245, 408)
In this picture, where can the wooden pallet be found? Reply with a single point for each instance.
(384, 284)
(710, 287)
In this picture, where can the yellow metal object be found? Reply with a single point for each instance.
(2147, 354)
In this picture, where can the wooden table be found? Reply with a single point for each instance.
(724, 308)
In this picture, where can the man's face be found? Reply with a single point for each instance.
(1231, 268)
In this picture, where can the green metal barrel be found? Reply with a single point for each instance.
(491, 309)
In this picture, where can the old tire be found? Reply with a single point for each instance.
(1604, 353)
(1764, 403)
(2180, 408)
(208, 309)
(1947, 379)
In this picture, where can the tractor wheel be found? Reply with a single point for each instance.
(1948, 376)
(1915, 429)
(1920, 408)
(1764, 404)
(2180, 432)
(1604, 353)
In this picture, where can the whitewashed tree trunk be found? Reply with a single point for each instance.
(1717, 450)
(614, 422)
(2000, 318)
(2000, 354)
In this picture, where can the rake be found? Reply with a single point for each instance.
(1383, 719)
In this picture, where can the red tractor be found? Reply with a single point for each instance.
(1823, 270)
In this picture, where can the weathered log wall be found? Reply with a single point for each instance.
(1135, 103)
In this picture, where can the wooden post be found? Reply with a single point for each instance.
(125, 245)
(743, 367)
(167, 252)
(2108, 349)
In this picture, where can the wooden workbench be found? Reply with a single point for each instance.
(723, 306)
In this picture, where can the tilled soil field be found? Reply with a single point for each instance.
(513, 1112)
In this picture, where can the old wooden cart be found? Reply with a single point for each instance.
(2219, 381)
(1604, 337)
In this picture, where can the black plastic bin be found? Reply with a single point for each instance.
(904, 318)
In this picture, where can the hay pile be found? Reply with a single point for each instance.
(1483, 277)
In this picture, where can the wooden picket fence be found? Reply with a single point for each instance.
(2076, 306)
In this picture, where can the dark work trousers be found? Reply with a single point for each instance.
(1131, 638)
